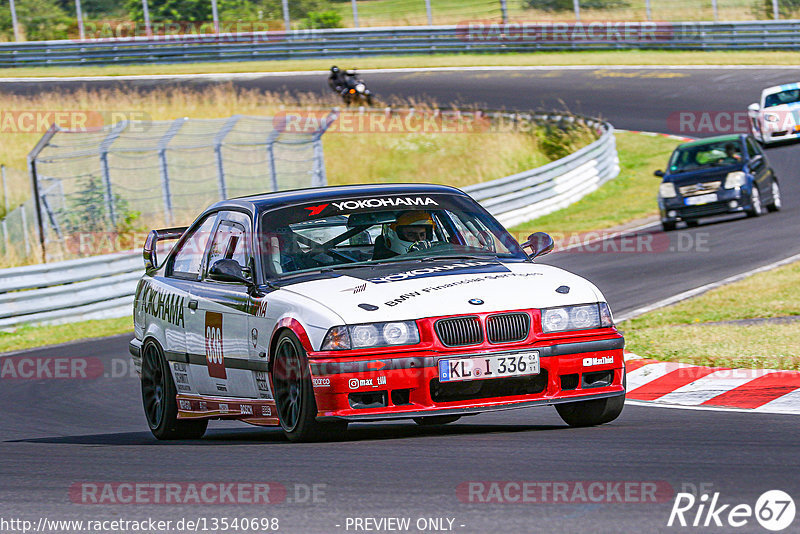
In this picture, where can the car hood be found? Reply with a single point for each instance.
(411, 291)
(703, 175)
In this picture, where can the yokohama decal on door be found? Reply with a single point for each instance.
(214, 355)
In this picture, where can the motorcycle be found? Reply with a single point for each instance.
(352, 89)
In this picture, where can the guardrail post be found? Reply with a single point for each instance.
(107, 191)
(287, 21)
(430, 13)
(218, 139)
(714, 9)
(776, 13)
(25, 237)
(504, 11)
(273, 173)
(79, 15)
(6, 240)
(576, 4)
(14, 21)
(146, 10)
(355, 15)
(164, 168)
(649, 13)
(215, 16)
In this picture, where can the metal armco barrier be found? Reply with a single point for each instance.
(102, 287)
(522, 197)
(476, 36)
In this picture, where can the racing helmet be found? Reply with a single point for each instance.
(334, 70)
(409, 228)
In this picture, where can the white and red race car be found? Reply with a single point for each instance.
(776, 117)
(314, 308)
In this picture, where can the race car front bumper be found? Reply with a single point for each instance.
(397, 387)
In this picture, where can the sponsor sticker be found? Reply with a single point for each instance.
(215, 358)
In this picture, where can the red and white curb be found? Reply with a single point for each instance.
(684, 385)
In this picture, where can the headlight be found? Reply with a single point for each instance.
(583, 317)
(771, 117)
(362, 336)
(667, 190)
(735, 179)
(360, 87)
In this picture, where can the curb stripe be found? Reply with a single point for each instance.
(759, 391)
(680, 385)
(670, 382)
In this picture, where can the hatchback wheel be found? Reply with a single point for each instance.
(776, 203)
(755, 203)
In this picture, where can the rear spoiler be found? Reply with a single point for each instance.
(151, 244)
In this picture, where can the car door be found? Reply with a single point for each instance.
(220, 322)
(759, 167)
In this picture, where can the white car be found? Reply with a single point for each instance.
(314, 308)
(777, 116)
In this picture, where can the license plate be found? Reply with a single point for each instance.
(701, 199)
(483, 367)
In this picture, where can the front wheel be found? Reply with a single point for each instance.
(755, 203)
(294, 394)
(159, 399)
(667, 226)
(591, 412)
(776, 203)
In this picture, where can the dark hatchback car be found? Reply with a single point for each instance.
(714, 176)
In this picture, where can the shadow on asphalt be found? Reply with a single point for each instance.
(365, 432)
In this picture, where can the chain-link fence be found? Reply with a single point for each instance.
(203, 17)
(127, 178)
(18, 236)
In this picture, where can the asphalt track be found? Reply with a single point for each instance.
(56, 433)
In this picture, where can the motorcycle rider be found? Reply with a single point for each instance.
(411, 231)
(337, 79)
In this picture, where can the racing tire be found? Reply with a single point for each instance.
(667, 226)
(436, 420)
(294, 394)
(776, 203)
(592, 412)
(159, 399)
(755, 203)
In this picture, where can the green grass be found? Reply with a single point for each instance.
(27, 337)
(611, 57)
(630, 196)
(677, 332)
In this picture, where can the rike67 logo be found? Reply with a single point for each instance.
(214, 355)
(774, 510)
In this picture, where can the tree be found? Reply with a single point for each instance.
(39, 19)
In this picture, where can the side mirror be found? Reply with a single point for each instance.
(753, 107)
(659, 173)
(539, 244)
(227, 270)
(149, 251)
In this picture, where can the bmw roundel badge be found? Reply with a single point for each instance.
(476, 302)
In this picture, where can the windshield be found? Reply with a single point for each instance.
(789, 96)
(716, 154)
(361, 231)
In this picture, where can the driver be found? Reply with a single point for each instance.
(412, 231)
(732, 152)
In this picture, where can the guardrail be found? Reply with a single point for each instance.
(522, 197)
(102, 287)
(476, 36)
